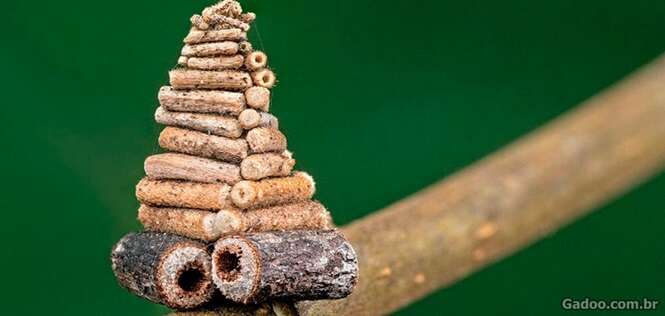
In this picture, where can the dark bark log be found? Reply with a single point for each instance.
(298, 265)
(164, 268)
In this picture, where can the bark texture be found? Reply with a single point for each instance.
(273, 191)
(310, 215)
(201, 79)
(210, 49)
(203, 36)
(163, 268)
(204, 101)
(208, 196)
(203, 145)
(208, 123)
(215, 63)
(171, 166)
(251, 118)
(266, 139)
(192, 223)
(259, 166)
(284, 265)
(258, 98)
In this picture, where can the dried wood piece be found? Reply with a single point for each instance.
(258, 98)
(259, 166)
(295, 265)
(163, 268)
(210, 49)
(297, 216)
(205, 101)
(248, 17)
(227, 22)
(170, 193)
(251, 118)
(192, 223)
(266, 139)
(264, 78)
(273, 191)
(256, 60)
(201, 79)
(172, 166)
(216, 62)
(245, 47)
(197, 22)
(209, 123)
(203, 145)
(196, 36)
(208, 225)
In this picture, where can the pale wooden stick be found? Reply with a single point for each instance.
(302, 215)
(264, 78)
(205, 101)
(196, 36)
(170, 193)
(192, 223)
(210, 225)
(172, 166)
(198, 22)
(209, 123)
(258, 98)
(251, 118)
(266, 139)
(259, 166)
(203, 145)
(215, 63)
(508, 200)
(200, 79)
(273, 191)
(210, 49)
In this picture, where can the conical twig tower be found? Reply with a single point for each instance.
(223, 208)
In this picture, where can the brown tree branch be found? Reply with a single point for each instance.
(508, 200)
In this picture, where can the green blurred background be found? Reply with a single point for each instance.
(378, 99)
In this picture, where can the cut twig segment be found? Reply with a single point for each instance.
(197, 22)
(245, 47)
(208, 225)
(200, 79)
(209, 123)
(264, 78)
(309, 215)
(266, 139)
(251, 118)
(172, 166)
(164, 268)
(258, 98)
(284, 265)
(256, 60)
(210, 49)
(196, 36)
(203, 145)
(216, 62)
(273, 191)
(204, 101)
(192, 223)
(170, 193)
(259, 166)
